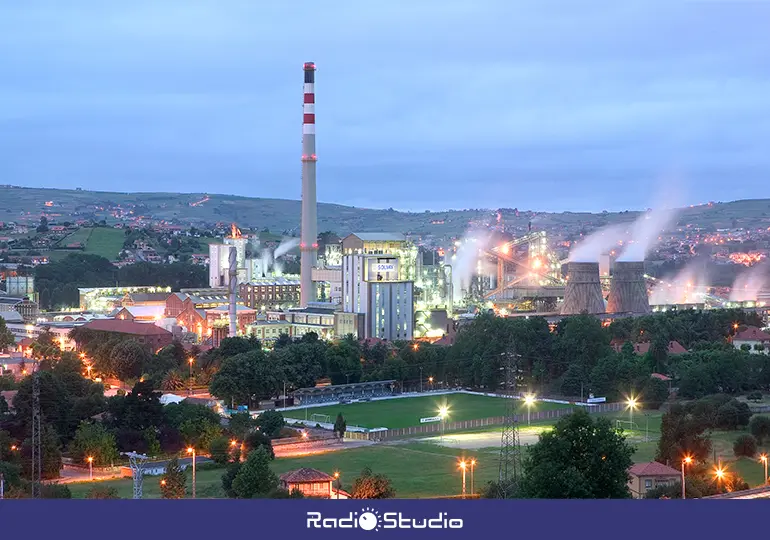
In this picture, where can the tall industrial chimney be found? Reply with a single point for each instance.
(584, 290)
(308, 235)
(628, 290)
(233, 287)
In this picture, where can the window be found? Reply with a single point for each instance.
(648, 484)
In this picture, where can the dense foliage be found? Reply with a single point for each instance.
(58, 281)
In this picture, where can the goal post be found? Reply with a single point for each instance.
(318, 418)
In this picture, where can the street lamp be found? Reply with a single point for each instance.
(443, 412)
(473, 465)
(463, 466)
(631, 403)
(88, 369)
(719, 473)
(686, 461)
(190, 361)
(337, 478)
(90, 460)
(529, 400)
(191, 450)
(763, 459)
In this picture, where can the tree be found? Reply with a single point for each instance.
(241, 424)
(255, 479)
(256, 440)
(6, 336)
(745, 446)
(655, 392)
(43, 227)
(50, 454)
(92, 440)
(219, 448)
(340, 426)
(759, 426)
(128, 359)
(270, 423)
(244, 376)
(681, 434)
(172, 482)
(732, 415)
(579, 459)
(372, 486)
(755, 396)
(197, 424)
(102, 492)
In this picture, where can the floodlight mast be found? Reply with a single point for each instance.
(136, 461)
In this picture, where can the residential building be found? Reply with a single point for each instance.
(646, 477)
(148, 334)
(268, 331)
(312, 483)
(757, 340)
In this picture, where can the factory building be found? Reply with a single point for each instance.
(219, 259)
(371, 287)
(106, 299)
(270, 293)
(26, 308)
(22, 286)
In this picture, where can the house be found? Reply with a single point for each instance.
(757, 340)
(674, 347)
(154, 337)
(157, 468)
(645, 477)
(312, 483)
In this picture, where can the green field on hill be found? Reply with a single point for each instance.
(407, 412)
(106, 242)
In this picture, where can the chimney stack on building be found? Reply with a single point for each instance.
(309, 234)
(233, 288)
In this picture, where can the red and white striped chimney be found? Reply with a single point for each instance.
(309, 230)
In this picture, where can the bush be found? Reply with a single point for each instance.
(102, 492)
(745, 446)
(760, 428)
(755, 396)
(270, 423)
(219, 448)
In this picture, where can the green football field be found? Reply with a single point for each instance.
(407, 412)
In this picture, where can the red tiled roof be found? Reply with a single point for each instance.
(660, 376)
(126, 327)
(653, 468)
(752, 333)
(305, 474)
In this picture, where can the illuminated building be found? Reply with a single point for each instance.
(105, 299)
(270, 293)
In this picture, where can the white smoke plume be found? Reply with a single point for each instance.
(465, 261)
(267, 260)
(689, 286)
(277, 269)
(285, 247)
(591, 248)
(645, 233)
(748, 284)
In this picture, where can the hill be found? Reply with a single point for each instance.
(279, 215)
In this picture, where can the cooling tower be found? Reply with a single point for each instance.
(584, 291)
(628, 290)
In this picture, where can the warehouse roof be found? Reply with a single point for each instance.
(125, 327)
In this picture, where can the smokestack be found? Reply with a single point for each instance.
(309, 235)
(584, 290)
(233, 284)
(628, 290)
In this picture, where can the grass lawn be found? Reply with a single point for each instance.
(106, 242)
(406, 412)
(416, 470)
(79, 236)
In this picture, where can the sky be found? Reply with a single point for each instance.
(421, 104)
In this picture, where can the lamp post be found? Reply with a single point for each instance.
(430, 381)
(631, 406)
(463, 466)
(191, 450)
(421, 379)
(442, 412)
(473, 465)
(337, 479)
(190, 361)
(719, 473)
(529, 400)
(90, 460)
(763, 459)
(686, 461)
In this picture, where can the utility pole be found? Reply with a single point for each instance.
(510, 449)
(421, 379)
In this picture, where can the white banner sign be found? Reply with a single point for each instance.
(596, 400)
(430, 419)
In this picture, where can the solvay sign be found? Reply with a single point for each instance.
(369, 519)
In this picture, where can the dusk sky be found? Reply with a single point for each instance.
(421, 104)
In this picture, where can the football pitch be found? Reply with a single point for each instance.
(407, 412)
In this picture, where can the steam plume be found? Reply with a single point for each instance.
(465, 262)
(285, 247)
(749, 283)
(645, 233)
(594, 245)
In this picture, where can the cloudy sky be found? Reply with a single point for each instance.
(421, 104)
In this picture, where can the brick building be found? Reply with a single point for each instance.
(148, 334)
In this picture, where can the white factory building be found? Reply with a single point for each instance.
(371, 288)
